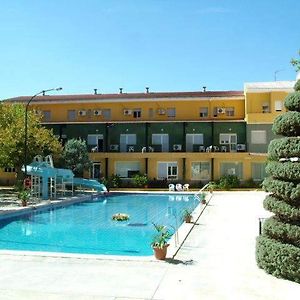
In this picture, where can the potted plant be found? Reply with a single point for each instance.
(160, 241)
(187, 215)
(24, 195)
(202, 198)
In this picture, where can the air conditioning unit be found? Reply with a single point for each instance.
(177, 147)
(81, 113)
(97, 112)
(127, 112)
(221, 110)
(161, 111)
(241, 147)
(114, 147)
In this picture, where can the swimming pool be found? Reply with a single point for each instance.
(87, 227)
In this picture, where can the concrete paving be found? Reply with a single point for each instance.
(217, 261)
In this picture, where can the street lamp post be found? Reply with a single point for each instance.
(26, 123)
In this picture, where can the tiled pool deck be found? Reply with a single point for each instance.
(217, 261)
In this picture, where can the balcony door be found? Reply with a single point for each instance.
(229, 139)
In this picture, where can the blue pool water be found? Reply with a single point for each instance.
(87, 227)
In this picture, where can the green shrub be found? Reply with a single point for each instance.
(284, 232)
(287, 190)
(250, 183)
(297, 86)
(278, 259)
(227, 182)
(283, 170)
(287, 124)
(292, 101)
(115, 181)
(284, 147)
(140, 180)
(281, 209)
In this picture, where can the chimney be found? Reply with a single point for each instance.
(147, 90)
(95, 91)
(121, 90)
(204, 88)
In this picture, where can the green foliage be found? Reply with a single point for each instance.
(285, 147)
(296, 62)
(227, 182)
(297, 86)
(75, 156)
(187, 213)
(283, 170)
(278, 259)
(292, 101)
(140, 180)
(160, 239)
(278, 248)
(115, 181)
(287, 190)
(287, 124)
(285, 232)
(12, 133)
(24, 195)
(282, 210)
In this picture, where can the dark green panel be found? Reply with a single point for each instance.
(173, 129)
(239, 128)
(115, 130)
(201, 127)
(83, 130)
(260, 148)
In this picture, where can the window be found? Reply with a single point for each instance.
(95, 142)
(95, 171)
(200, 170)
(230, 111)
(127, 169)
(232, 168)
(265, 107)
(258, 137)
(167, 170)
(71, 115)
(229, 139)
(106, 113)
(203, 112)
(278, 105)
(171, 112)
(193, 139)
(161, 139)
(258, 171)
(46, 115)
(137, 113)
(127, 139)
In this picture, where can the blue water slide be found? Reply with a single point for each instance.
(90, 183)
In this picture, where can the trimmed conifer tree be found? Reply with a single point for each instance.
(278, 247)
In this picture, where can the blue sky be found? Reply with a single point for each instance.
(168, 45)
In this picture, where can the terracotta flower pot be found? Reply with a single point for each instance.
(188, 219)
(160, 253)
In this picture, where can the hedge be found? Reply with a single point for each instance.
(281, 209)
(280, 260)
(284, 170)
(287, 124)
(287, 190)
(292, 101)
(284, 147)
(283, 232)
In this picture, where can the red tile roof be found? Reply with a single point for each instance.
(118, 96)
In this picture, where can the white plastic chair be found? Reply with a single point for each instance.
(171, 187)
(179, 187)
(186, 187)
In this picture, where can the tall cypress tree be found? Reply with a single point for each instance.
(278, 248)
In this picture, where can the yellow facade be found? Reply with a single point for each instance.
(257, 105)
